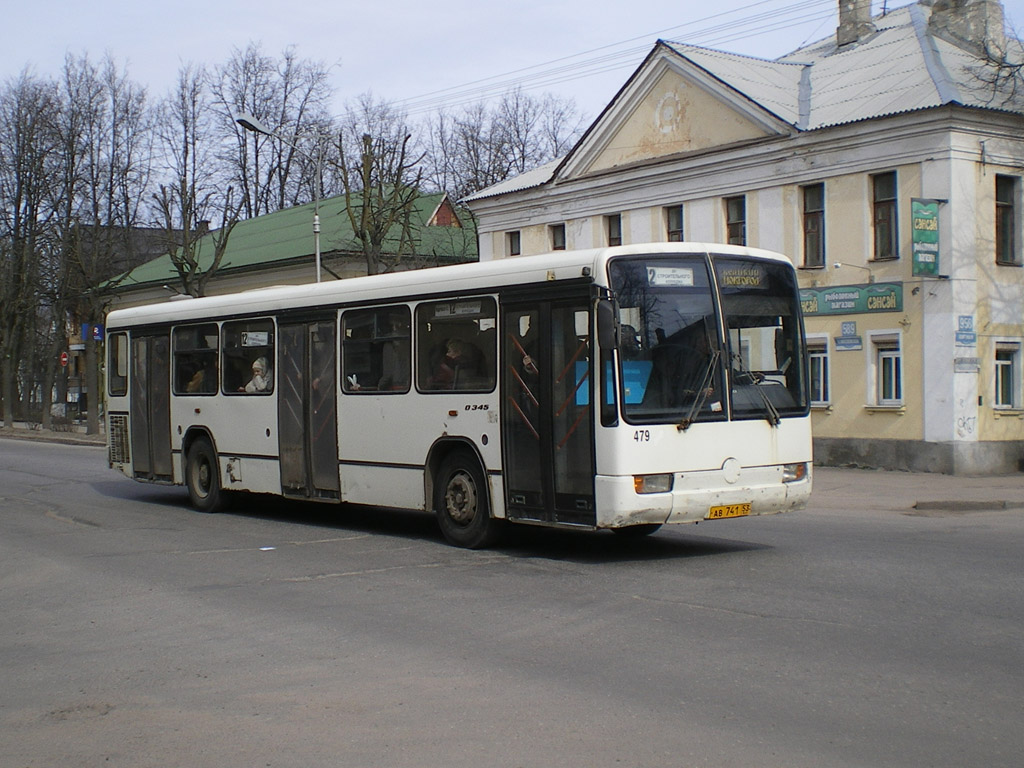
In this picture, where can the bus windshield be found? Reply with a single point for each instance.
(683, 359)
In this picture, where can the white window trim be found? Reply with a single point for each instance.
(876, 341)
(1014, 346)
(819, 342)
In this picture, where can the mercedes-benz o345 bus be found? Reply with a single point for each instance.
(620, 388)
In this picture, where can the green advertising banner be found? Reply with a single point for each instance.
(924, 217)
(852, 299)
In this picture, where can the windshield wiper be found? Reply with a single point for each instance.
(702, 393)
(771, 412)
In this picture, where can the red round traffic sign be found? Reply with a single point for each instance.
(64, 358)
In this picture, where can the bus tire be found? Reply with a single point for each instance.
(202, 477)
(461, 502)
(637, 531)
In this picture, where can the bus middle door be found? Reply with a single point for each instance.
(151, 407)
(307, 409)
(547, 421)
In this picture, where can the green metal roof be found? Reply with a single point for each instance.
(287, 235)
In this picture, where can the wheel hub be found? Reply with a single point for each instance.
(460, 499)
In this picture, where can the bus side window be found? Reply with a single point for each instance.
(375, 350)
(117, 369)
(456, 346)
(247, 355)
(195, 359)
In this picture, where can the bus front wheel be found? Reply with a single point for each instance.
(202, 476)
(461, 503)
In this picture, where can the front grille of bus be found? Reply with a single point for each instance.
(118, 431)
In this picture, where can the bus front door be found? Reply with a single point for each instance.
(547, 422)
(307, 409)
(151, 407)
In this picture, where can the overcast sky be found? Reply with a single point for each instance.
(409, 50)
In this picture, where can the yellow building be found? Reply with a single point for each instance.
(886, 161)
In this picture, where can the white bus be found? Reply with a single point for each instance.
(617, 388)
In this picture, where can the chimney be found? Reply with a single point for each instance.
(854, 21)
(974, 25)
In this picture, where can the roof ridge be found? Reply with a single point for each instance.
(947, 89)
(718, 52)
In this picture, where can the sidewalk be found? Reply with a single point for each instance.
(24, 431)
(915, 493)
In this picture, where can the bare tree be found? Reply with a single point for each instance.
(27, 107)
(484, 144)
(381, 180)
(194, 192)
(104, 132)
(288, 93)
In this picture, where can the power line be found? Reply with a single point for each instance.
(719, 29)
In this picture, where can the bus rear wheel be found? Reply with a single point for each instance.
(461, 503)
(202, 477)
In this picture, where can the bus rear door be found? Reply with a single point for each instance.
(307, 409)
(151, 407)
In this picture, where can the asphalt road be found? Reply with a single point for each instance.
(135, 632)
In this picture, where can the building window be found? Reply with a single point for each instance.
(888, 370)
(736, 220)
(674, 223)
(557, 237)
(1007, 190)
(512, 244)
(613, 225)
(1007, 376)
(884, 215)
(817, 351)
(814, 225)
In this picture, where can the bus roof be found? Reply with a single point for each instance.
(399, 286)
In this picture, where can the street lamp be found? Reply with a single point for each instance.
(871, 275)
(251, 123)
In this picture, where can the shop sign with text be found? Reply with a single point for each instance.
(852, 299)
(924, 218)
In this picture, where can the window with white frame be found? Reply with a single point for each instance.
(1007, 375)
(817, 352)
(888, 369)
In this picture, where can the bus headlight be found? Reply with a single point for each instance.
(652, 483)
(793, 473)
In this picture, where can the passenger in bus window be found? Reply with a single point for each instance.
(261, 380)
(204, 380)
(461, 362)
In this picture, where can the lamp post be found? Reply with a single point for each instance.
(871, 275)
(251, 123)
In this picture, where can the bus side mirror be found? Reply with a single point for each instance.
(607, 325)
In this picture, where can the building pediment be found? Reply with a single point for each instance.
(670, 106)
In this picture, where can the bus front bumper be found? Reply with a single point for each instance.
(702, 495)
